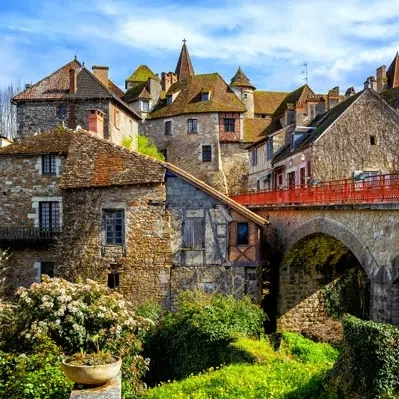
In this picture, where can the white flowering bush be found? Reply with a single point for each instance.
(83, 316)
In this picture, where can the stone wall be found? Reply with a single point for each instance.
(127, 126)
(143, 262)
(346, 145)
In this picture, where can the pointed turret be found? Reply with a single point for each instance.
(241, 80)
(184, 67)
(393, 73)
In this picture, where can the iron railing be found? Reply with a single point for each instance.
(371, 189)
(25, 232)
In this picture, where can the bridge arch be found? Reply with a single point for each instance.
(342, 233)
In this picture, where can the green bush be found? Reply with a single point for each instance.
(368, 365)
(34, 376)
(198, 335)
(307, 351)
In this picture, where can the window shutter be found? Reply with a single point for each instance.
(193, 233)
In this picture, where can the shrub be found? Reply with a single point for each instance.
(368, 365)
(198, 335)
(83, 316)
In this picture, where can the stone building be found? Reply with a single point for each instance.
(357, 138)
(76, 205)
(68, 96)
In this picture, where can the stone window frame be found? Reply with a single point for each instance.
(49, 164)
(113, 208)
(36, 207)
(58, 165)
(113, 277)
(145, 108)
(168, 127)
(116, 118)
(206, 156)
(38, 267)
(373, 141)
(192, 125)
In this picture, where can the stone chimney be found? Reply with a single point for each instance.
(167, 80)
(96, 122)
(370, 83)
(333, 97)
(72, 81)
(101, 73)
(381, 74)
(350, 92)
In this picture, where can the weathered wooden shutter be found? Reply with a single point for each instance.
(193, 233)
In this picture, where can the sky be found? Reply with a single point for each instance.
(341, 41)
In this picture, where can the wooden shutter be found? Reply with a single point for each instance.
(193, 233)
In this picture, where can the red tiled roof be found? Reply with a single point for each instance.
(188, 97)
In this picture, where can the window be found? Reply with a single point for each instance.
(169, 99)
(229, 125)
(113, 276)
(242, 233)
(206, 153)
(205, 96)
(193, 233)
(302, 176)
(114, 227)
(48, 165)
(373, 140)
(254, 157)
(192, 126)
(168, 128)
(47, 268)
(61, 112)
(49, 216)
(116, 118)
(145, 106)
(269, 149)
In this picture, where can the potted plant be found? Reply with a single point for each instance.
(91, 368)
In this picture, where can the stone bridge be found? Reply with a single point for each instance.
(369, 231)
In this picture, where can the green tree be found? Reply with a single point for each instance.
(144, 146)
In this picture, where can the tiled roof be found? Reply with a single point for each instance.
(184, 67)
(391, 96)
(321, 123)
(255, 128)
(241, 80)
(54, 142)
(267, 102)
(115, 89)
(133, 93)
(142, 74)
(94, 162)
(216, 194)
(222, 99)
(299, 94)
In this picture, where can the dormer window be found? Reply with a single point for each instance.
(169, 99)
(205, 96)
(145, 106)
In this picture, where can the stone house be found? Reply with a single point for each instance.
(76, 205)
(68, 96)
(357, 138)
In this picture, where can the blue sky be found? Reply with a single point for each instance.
(342, 41)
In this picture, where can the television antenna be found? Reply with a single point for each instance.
(305, 71)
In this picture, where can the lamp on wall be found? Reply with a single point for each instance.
(302, 157)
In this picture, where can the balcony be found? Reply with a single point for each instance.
(26, 232)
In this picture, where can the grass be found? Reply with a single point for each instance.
(294, 371)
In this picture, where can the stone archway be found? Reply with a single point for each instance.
(341, 233)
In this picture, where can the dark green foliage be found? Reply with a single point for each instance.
(368, 365)
(198, 335)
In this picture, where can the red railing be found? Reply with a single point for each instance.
(380, 188)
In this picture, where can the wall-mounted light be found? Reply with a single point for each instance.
(302, 157)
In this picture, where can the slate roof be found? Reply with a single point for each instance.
(321, 123)
(115, 89)
(391, 96)
(299, 94)
(184, 67)
(267, 102)
(54, 142)
(188, 101)
(134, 93)
(56, 87)
(393, 73)
(241, 80)
(255, 128)
(142, 74)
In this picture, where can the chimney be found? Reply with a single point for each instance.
(333, 97)
(101, 73)
(370, 83)
(96, 122)
(350, 92)
(72, 81)
(381, 74)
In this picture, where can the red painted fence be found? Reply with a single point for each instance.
(372, 189)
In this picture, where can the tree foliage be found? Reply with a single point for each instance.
(8, 111)
(144, 146)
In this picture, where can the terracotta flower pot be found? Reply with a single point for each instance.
(92, 375)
